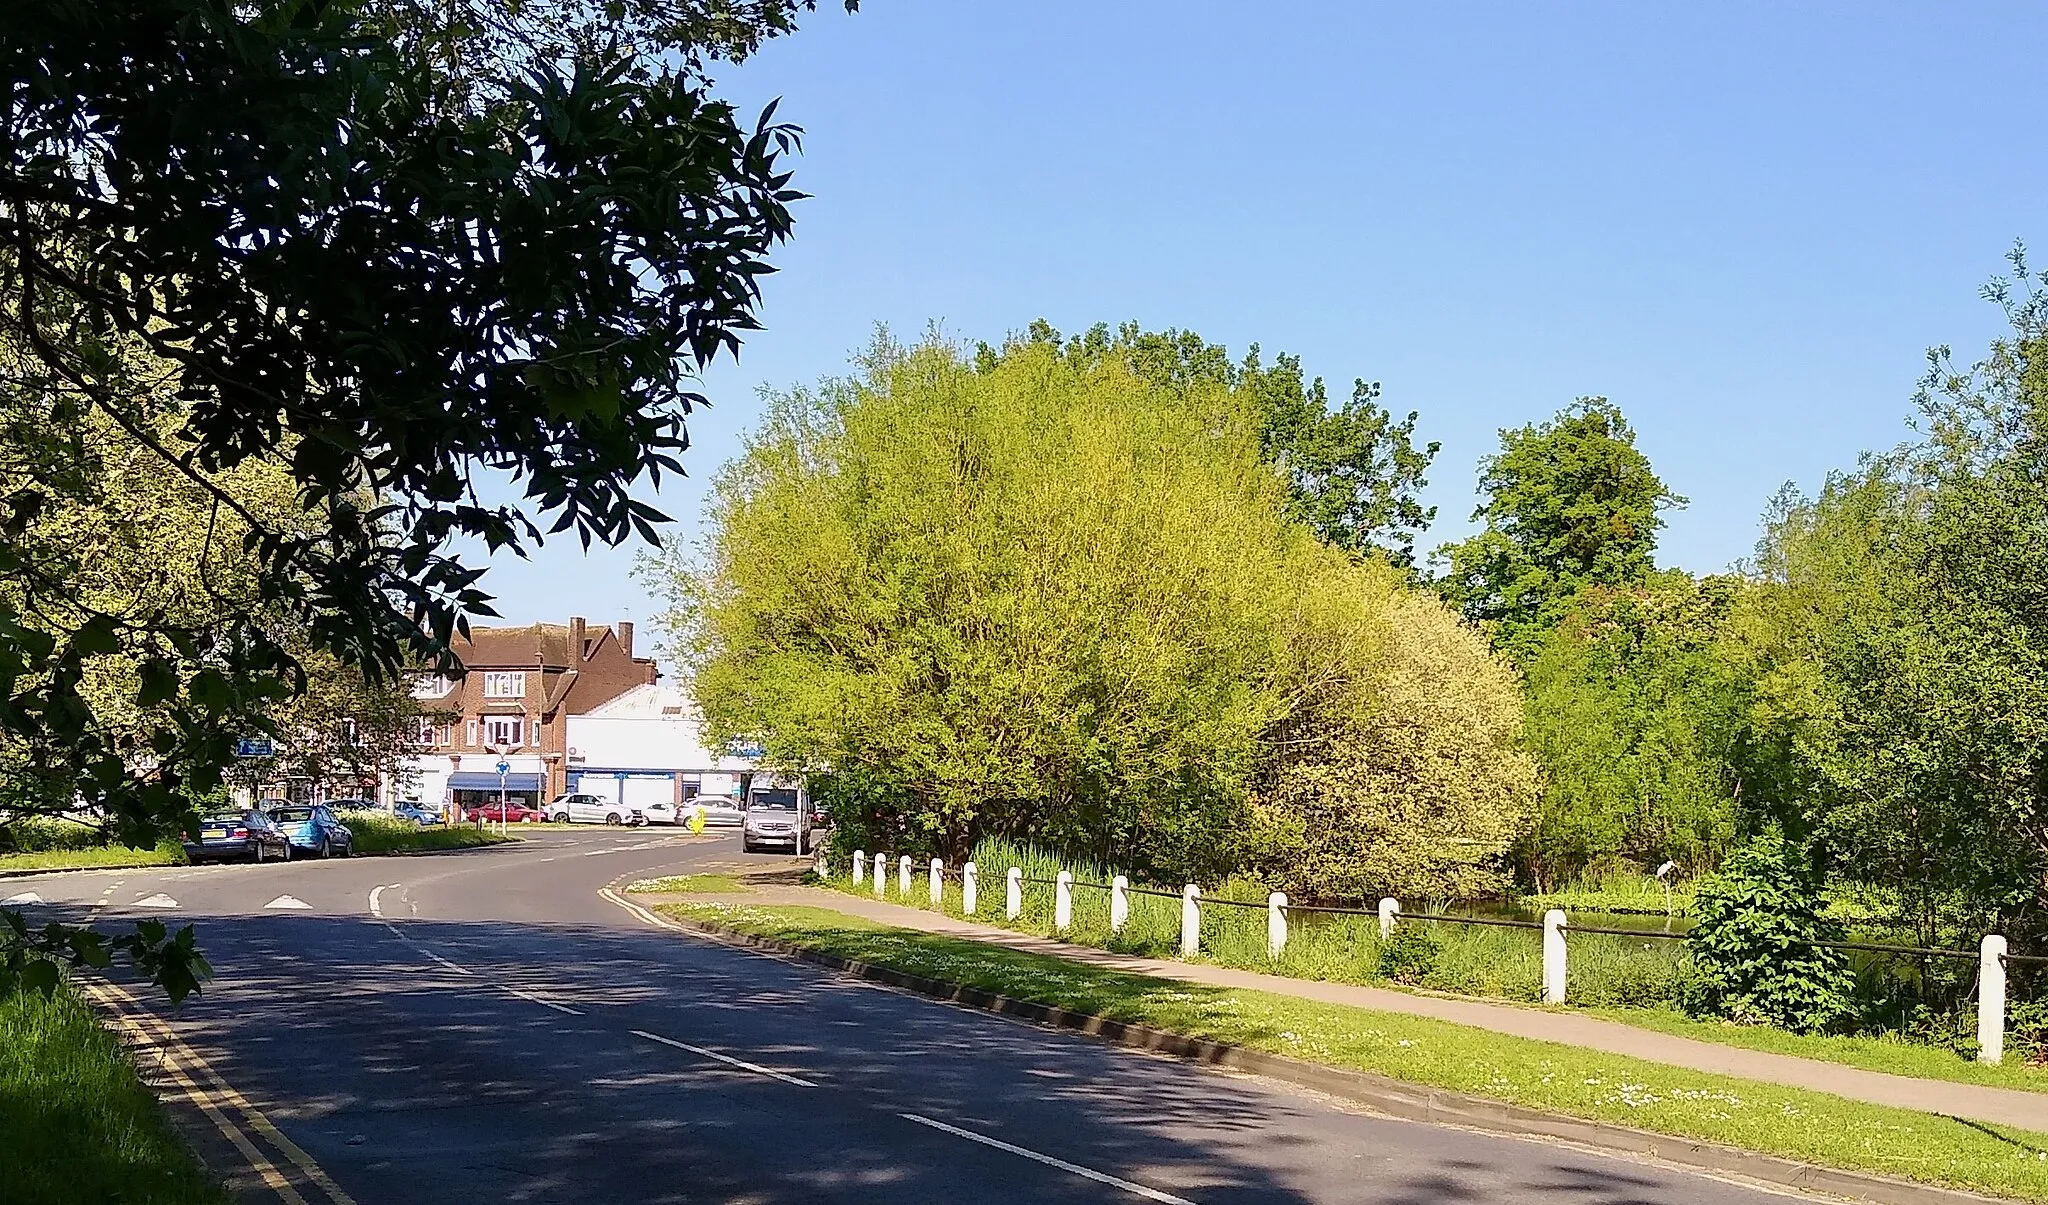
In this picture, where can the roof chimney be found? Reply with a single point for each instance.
(625, 631)
(576, 648)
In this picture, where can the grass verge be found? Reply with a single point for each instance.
(378, 834)
(692, 884)
(80, 1129)
(1794, 1123)
(108, 856)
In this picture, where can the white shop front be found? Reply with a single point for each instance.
(646, 747)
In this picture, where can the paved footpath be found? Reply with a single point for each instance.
(2000, 1106)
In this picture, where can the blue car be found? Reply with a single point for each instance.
(313, 828)
(237, 833)
(417, 814)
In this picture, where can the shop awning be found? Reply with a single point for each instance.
(470, 780)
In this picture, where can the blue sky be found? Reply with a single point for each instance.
(1743, 223)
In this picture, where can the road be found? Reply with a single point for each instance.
(483, 1026)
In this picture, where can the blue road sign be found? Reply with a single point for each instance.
(504, 768)
(254, 746)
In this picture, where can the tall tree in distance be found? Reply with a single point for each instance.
(1568, 503)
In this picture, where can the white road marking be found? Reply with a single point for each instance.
(742, 1064)
(26, 897)
(159, 900)
(377, 900)
(1086, 1173)
(636, 909)
(288, 902)
(530, 997)
(462, 970)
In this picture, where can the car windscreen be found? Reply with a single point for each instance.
(291, 815)
(774, 800)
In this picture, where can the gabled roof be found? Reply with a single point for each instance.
(536, 644)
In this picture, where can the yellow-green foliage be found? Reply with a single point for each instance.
(1035, 595)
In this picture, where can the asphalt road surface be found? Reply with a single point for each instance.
(483, 1026)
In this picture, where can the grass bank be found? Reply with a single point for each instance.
(376, 833)
(1790, 1122)
(167, 853)
(79, 1127)
(692, 884)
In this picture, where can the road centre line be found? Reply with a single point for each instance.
(530, 997)
(742, 1064)
(1086, 1173)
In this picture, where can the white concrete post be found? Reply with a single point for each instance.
(881, 873)
(1276, 924)
(1190, 920)
(1063, 901)
(1119, 903)
(1390, 911)
(1013, 899)
(860, 867)
(822, 863)
(938, 879)
(903, 876)
(970, 887)
(1991, 999)
(1553, 956)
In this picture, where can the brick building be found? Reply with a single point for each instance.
(513, 703)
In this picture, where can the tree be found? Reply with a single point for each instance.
(1055, 595)
(404, 249)
(1353, 473)
(1636, 710)
(1568, 503)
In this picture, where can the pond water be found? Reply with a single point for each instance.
(1634, 922)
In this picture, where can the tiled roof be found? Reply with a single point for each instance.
(517, 648)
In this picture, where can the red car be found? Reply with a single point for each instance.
(512, 813)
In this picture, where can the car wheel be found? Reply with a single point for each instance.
(260, 855)
(746, 846)
(612, 818)
(326, 847)
(287, 852)
(561, 817)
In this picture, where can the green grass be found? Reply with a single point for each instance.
(109, 856)
(375, 833)
(692, 884)
(1791, 1122)
(1893, 1055)
(78, 1126)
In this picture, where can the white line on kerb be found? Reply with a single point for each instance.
(1150, 1194)
(742, 1064)
(376, 899)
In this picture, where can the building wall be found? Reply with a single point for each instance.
(652, 729)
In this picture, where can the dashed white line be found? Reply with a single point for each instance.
(1086, 1173)
(531, 998)
(460, 970)
(742, 1064)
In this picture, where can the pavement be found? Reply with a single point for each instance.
(1999, 1106)
(483, 1026)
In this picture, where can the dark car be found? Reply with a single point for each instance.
(244, 833)
(313, 828)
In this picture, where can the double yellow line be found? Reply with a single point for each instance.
(240, 1122)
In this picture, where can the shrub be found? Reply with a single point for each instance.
(1753, 945)
(1409, 954)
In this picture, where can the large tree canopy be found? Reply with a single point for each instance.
(403, 250)
(1057, 594)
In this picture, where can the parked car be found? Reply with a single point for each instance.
(352, 805)
(578, 808)
(417, 813)
(720, 810)
(778, 814)
(508, 812)
(313, 828)
(237, 833)
(660, 813)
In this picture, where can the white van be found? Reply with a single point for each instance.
(778, 815)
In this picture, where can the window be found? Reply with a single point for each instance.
(472, 733)
(426, 733)
(502, 730)
(532, 731)
(432, 688)
(504, 686)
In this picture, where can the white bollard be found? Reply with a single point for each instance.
(881, 873)
(1276, 924)
(1013, 899)
(1063, 901)
(1190, 920)
(1991, 999)
(903, 877)
(822, 864)
(860, 867)
(1119, 903)
(938, 879)
(1553, 956)
(1390, 911)
(970, 887)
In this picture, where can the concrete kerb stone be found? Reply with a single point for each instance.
(1387, 1096)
